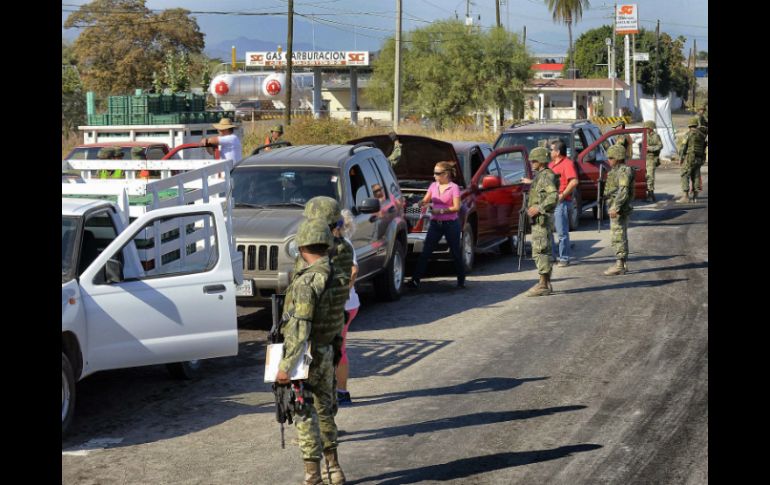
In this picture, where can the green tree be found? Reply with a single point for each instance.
(591, 50)
(567, 11)
(73, 102)
(176, 71)
(122, 43)
(448, 71)
(703, 55)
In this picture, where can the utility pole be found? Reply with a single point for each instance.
(655, 90)
(500, 109)
(497, 12)
(397, 81)
(525, 37)
(633, 57)
(289, 59)
(694, 79)
(612, 72)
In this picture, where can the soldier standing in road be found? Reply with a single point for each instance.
(703, 119)
(691, 157)
(543, 195)
(308, 318)
(654, 146)
(624, 140)
(618, 192)
(395, 155)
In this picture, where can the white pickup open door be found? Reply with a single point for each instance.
(186, 311)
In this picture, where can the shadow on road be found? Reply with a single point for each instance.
(611, 258)
(468, 467)
(455, 422)
(379, 357)
(700, 265)
(634, 284)
(476, 386)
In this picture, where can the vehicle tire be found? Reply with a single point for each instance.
(509, 245)
(184, 370)
(468, 247)
(577, 209)
(67, 393)
(390, 283)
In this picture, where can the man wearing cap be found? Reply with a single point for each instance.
(691, 157)
(395, 155)
(624, 140)
(619, 191)
(228, 143)
(306, 312)
(654, 146)
(543, 195)
(276, 132)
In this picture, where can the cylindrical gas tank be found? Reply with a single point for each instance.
(258, 85)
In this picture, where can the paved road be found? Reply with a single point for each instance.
(604, 382)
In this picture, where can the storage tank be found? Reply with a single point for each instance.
(235, 87)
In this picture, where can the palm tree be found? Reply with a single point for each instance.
(565, 11)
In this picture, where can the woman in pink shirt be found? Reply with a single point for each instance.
(444, 198)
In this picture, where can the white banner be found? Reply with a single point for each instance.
(309, 58)
(663, 124)
(626, 20)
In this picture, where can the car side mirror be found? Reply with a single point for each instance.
(369, 206)
(113, 271)
(490, 182)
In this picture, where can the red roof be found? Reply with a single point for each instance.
(547, 67)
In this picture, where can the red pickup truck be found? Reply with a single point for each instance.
(154, 151)
(490, 200)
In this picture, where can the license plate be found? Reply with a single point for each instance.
(245, 289)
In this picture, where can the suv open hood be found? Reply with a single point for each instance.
(419, 155)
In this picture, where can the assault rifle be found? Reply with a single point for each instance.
(521, 234)
(599, 200)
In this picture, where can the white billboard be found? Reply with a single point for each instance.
(627, 19)
(309, 58)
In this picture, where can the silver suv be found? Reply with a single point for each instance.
(270, 190)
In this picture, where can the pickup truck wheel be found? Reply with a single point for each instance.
(390, 283)
(184, 370)
(468, 247)
(577, 209)
(67, 393)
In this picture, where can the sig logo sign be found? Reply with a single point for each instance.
(627, 19)
(273, 87)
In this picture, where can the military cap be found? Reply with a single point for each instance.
(393, 136)
(693, 121)
(620, 124)
(104, 153)
(313, 231)
(324, 208)
(616, 152)
(278, 128)
(538, 154)
(649, 124)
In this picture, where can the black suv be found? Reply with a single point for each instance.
(270, 190)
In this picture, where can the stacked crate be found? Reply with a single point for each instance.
(157, 109)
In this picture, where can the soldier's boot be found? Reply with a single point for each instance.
(312, 473)
(695, 196)
(684, 199)
(333, 470)
(541, 288)
(652, 196)
(648, 196)
(618, 269)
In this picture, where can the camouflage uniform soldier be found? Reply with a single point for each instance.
(654, 146)
(395, 155)
(543, 196)
(624, 140)
(619, 191)
(691, 159)
(308, 318)
(327, 211)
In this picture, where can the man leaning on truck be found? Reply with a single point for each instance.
(228, 143)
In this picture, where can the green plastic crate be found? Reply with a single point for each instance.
(165, 119)
(180, 102)
(119, 119)
(99, 120)
(166, 104)
(197, 102)
(138, 119)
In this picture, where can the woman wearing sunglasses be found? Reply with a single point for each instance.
(443, 197)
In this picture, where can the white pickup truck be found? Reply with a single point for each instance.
(160, 290)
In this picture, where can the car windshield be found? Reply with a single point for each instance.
(91, 153)
(265, 186)
(69, 227)
(533, 139)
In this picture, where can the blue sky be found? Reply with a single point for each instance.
(364, 24)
